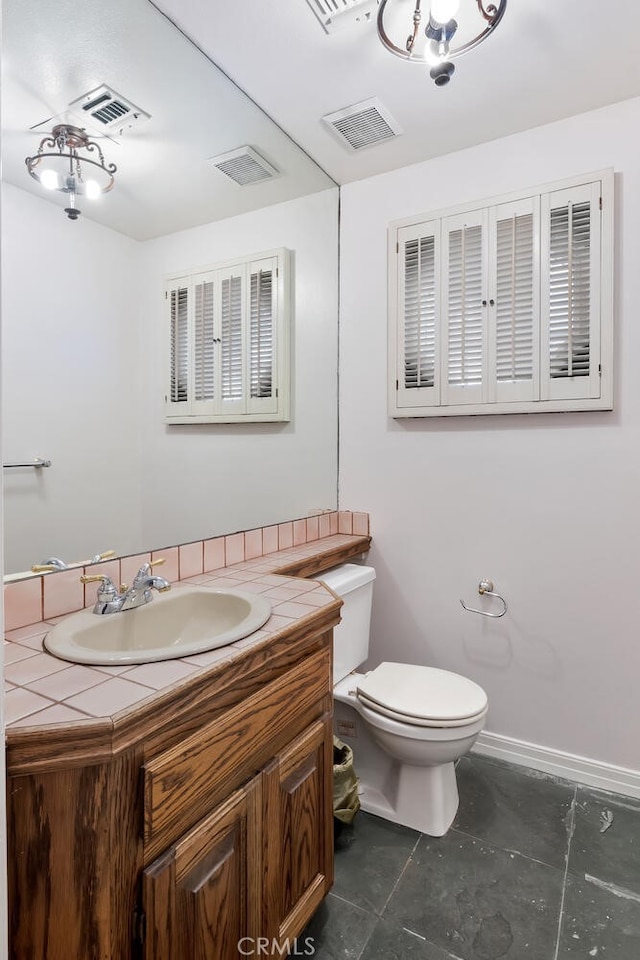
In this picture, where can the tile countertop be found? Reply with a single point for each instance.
(43, 691)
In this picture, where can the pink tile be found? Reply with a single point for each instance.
(66, 683)
(191, 559)
(318, 599)
(160, 674)
(361, 524)
(20, 703)
(285, 535)
(109, 697)
(63, 593)
(23, 603)
(293, 609)
(17, 651)
(212, 656)
(313, 528)
(214, 556)
(276, 623)
(345, 521)
(129, 566)
(333, 524)
(57, 713)
(269, 539)
(26, 634)
(299, 532)
(253, 587)
(253, 544)
(324, 526)
(234, 548)
(23, 672)
(170, 568)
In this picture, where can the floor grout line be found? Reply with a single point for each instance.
(572, 824)
(413, 850)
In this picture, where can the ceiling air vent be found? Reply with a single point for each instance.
(335, 14)
(244, 166)
(106, 110)
(363, 124)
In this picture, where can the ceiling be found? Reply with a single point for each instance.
(545, 61)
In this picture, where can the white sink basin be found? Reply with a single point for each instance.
(178, 623)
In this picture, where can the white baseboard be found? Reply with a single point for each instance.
(591, 773)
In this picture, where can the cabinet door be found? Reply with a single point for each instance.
(298, 832)
(204, 895)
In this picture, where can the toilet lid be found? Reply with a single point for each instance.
(424, 694)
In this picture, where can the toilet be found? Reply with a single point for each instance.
(407, 724)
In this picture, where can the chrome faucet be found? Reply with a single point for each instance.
(55, 563)
(110, 599)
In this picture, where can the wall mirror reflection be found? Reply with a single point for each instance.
(84, 348)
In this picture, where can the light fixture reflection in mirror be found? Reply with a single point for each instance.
(62, 162)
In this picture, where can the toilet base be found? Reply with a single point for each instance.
(424, 798)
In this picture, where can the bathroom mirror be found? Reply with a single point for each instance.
(84, 338)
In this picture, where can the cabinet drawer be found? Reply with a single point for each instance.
(182, 784)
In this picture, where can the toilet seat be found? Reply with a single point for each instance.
(422, 696)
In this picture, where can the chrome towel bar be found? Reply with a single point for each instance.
(485, 589)
(38, 463)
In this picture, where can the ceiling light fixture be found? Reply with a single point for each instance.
(58, 165)
(443, 38)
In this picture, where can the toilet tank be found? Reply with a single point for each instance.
(354, 585)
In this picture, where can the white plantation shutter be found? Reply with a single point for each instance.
(232, 336)
(229, 342)
(262, 344)
(571, 258)
(178, 297)
(419, 293)
(465, 312)
(204, 339)
(505, 307)
(514, 301)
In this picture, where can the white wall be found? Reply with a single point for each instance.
(545, 505)
(70, 394)
(200, 480)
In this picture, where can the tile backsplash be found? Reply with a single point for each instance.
(58, 594)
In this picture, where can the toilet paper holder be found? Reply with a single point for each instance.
(485, 588)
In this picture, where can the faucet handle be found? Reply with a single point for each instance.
(107, 591)
(156, 563)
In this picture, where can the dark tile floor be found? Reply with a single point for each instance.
(534, 868)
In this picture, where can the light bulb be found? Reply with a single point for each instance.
(49, 179)
(92, 189)
(444, 10)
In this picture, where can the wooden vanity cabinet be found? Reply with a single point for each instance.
(213, 826)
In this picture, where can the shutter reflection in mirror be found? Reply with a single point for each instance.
(514, 334)
(179, 351)
(232, 337)
(261, 333)
(466, 317)
(204, 342)
(572, 225)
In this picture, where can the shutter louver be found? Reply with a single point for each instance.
(231, 339)
(569, 290)
(261, 334)
(465, 320)
(179, 352)
(204, 345)
(419, 313)
(514, 299)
